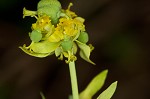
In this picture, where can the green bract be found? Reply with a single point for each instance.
(40, 49)
(85, 52)
(44, 46)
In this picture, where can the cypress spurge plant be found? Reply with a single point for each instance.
(62, 32)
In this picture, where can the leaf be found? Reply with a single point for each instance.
(108, 93)
(70, 97)
(42, 95)
(85, 52)
(94, 86)
(44, 47)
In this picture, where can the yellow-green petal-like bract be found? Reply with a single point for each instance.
(40, 55)
(85, 52)
(44, 46)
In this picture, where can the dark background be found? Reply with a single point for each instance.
(119, 30)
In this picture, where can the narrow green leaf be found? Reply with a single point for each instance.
(94, 86)
(108, 93)
(70, 97)
(85, 52)
(42, 95)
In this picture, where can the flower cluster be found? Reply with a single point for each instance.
(57, 31)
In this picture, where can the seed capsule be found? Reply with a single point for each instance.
(83, 37)
(67, 45)
(36, 36)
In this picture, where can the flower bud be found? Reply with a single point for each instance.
(83, 37)
(52, 8)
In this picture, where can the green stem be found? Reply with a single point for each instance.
(73, 77)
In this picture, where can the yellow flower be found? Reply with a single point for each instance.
(61, 38)
(28, 13)
(70, 13)
(56, 36)
(67, 27)
(43, 23)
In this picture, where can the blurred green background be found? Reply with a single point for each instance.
(119, 31)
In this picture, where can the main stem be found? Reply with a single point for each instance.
(73, 77)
